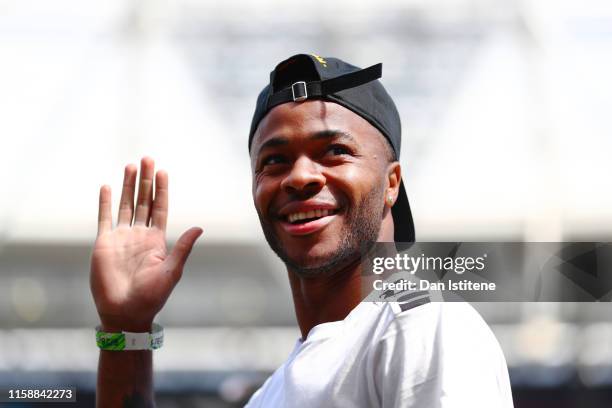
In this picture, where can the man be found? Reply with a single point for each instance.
(324, 148)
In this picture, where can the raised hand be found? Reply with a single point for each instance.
(132, 273)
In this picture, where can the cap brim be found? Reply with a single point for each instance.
(402, 217)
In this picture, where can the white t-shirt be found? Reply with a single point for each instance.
(428, 355)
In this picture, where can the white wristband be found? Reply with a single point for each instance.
(129, 340)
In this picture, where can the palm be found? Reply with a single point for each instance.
(132, 273)
(127, 266)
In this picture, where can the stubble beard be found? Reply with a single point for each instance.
(358, 236)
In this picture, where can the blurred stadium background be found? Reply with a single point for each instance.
(505, 108)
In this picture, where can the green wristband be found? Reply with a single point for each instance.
(126, 341)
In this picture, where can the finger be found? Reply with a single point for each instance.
(181, 250)
(159, 214)
(105, 218)
(145, 191)
(126, 205)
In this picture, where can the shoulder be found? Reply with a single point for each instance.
(437, 318)
(446, 349)
(454, 330)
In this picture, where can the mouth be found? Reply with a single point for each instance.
(307, 222)
(304, 217)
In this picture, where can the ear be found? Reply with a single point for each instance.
(394, 177)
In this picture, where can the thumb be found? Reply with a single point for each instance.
(181, 250)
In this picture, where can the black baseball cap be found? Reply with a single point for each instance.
(308, 76)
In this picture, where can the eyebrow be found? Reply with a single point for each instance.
(332, 134)
(326, 134)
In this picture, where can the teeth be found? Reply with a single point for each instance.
(308, 214)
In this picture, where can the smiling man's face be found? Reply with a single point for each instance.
(320, 177)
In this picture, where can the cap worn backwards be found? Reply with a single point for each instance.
(308, 76)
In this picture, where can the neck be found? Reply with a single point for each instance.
(327, 298)
(332, 297)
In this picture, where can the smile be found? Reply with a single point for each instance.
(306, 222)
(305, 216)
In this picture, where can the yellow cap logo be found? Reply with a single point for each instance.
(320, 59)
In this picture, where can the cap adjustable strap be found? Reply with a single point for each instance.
(301, 90)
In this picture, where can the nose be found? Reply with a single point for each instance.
(305, 178)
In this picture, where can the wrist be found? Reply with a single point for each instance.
(117, 326)
(126, 328)
(124, 340)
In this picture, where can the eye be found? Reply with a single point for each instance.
(272, 160)
(337, 150)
